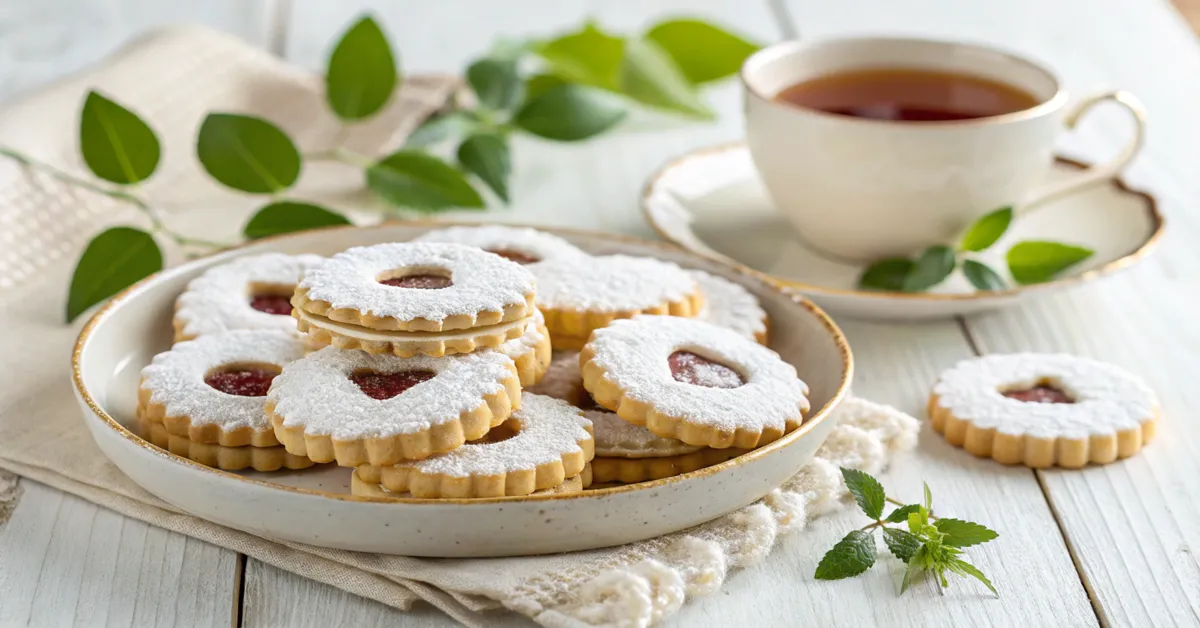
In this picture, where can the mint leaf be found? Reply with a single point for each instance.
(962, 567)
(362, 72)
(867, 491)
(486, 156)
(987, 230)
(934, 265)
(589, 56)
(959, 533)
(982, 276)
(650, 76)
(539, 84)
(438, 128)
(247, 153)
(288, 217)
(918, 519)
(570, 113)
(112, 261)
(900, 515)
(851, 556)
(916, 565)
(495, 83)
(928, 499)
(902, 544)
(888, 274)
(416, 180)
(116, 144)
(1037, 261)
(704, 52)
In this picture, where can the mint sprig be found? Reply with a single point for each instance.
(929, 545)
(1028, 262)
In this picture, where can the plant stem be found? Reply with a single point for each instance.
(871, 526)
(897, 502)
(343, 155)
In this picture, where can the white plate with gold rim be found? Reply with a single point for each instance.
(711, 202)
(315, 506)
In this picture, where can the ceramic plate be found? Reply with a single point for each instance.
(711, 202)
(315, 506)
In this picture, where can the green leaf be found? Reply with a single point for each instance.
(589, 56)
(116, 144)
(570, 113)
(902, 544)
(867, 491)
(888, 274)
(928, 499)
(900, 515)
(362, 72)
(982, 276)
(486, 156)
(987, 230)
(438, 128)
(289, 216)
(851, 556)
(649, 76)
(962, 567)
(496, 83)
(918, 519)
(934, 265)
(916, 565)
(1037, 261)
(416, 180)
(959, 533)
(247, 153)
(112, 261)
(704, 52)
(539, 84)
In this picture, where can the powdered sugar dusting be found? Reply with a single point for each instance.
(528, 341)
(482, 282)
(618, 438)
(539, 245)
(175, 378)
(1107, 398)
(728, 304)
(316, 392)
(219, 300)
(634, 354)
(611, 283)
(549, 428)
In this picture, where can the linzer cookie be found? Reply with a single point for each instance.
(221, 457)
(693, 381)
(729, 305)
(248, 293)
(363, 487)
(628, 453)
(634, 470)
(531, 352)
(542, 444)
(357, 408)
(213, 389)
(519, 244)
(580, 295)
(1043, 410)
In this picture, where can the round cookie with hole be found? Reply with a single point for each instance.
(522, 245)
(252, 292)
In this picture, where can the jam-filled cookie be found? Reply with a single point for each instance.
(251, 292)
(729, 305)
(541, 444)
(693, 381)
(365, 482)
(519, 244)
(531, 352)
(212, 390)
(1043, 410)
(584, 294)
(357, 408)
(220, 456)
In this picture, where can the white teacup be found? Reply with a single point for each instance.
(866, 189)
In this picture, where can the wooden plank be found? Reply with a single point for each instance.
(67, 561)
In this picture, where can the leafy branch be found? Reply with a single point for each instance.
(1029, 262)
(571, 87)
(929, 545)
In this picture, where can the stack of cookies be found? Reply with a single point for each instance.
(421, 366)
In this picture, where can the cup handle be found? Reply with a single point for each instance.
(1100, 172)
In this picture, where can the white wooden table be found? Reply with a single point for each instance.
(1115, 545)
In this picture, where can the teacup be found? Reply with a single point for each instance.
(865, 189)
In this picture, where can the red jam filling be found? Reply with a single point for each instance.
(423, 282)
(515, 256)
(1039, 394)
(689, 368)
(242, 382)
(387, 385)
(272, 304)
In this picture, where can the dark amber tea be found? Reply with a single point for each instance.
(907, 95)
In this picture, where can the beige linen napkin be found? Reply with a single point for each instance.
(171, 78)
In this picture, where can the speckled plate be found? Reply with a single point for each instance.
(315, 505)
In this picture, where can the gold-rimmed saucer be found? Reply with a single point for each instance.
(710, 201)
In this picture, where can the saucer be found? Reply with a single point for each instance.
(711, 202)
